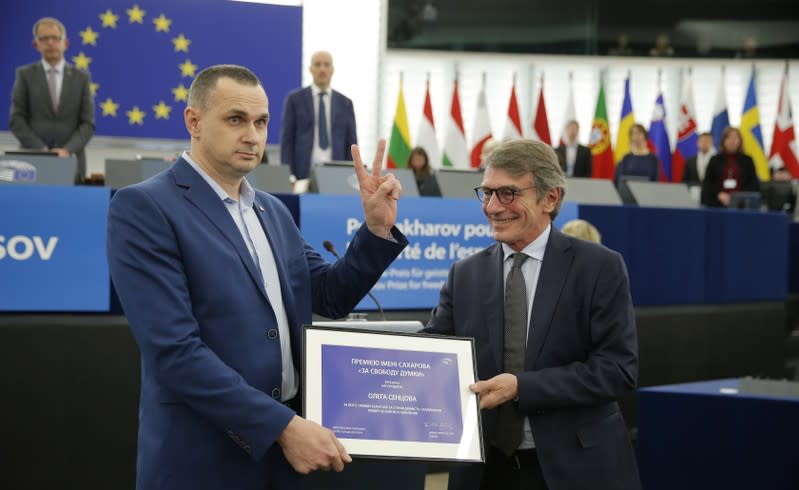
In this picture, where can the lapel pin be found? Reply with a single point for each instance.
(261, 208)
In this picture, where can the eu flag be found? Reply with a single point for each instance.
(144, 54)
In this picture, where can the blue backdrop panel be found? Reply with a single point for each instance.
(136, 65)
(663, 249)
(747, 255)
(52, 248)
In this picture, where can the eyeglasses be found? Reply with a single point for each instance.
(506, 195)
(44, 39)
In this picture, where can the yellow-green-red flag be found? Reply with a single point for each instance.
(399, 147)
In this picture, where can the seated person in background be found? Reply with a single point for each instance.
(574, 158)
(639, 161)
(582, 229)
(696, 165)
(775, 200)
(488, 147)
(728, 171)
(419, 163)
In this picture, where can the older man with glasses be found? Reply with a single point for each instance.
(52, 107)
(554, 328)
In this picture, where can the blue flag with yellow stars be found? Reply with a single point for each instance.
(144, 54)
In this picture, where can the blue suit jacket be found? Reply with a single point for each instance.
(210, 408)
(298, 125)
(582, 355)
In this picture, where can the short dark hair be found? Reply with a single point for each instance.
(205, 81)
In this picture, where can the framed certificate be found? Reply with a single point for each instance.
(393, 395)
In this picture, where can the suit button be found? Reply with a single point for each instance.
(272, 333)
(276, 393)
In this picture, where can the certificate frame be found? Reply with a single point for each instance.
(392, 395)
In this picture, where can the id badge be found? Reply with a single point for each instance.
(730, 183)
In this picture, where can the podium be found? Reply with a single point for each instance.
(729, 433)
(49, 169)
(122, 173)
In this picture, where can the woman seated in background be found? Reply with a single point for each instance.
(728, 171)
(639, 162)
(419, 163)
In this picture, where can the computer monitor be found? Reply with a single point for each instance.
(36, 168)
(458, 182)
(661, 194)
(744, 200)
(121, 173)
(591, 191)
(340, 179)
(40, 153)
(271, 178)
(626, 194)
(777, 195)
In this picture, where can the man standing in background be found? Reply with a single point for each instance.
(574, 158)
(318, 123)
(696, 165)
(52, 106)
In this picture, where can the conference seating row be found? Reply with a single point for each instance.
(338, 178)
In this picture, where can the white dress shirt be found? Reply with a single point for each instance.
(59, 76)
(319, 155)
(243, 214)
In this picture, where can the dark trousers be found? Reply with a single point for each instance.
(520, 471)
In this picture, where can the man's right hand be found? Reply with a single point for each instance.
(308, 446)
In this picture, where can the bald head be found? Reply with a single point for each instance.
(322, 69)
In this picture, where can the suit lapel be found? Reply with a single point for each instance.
(554, 270)
(494, 302)
(199, 193)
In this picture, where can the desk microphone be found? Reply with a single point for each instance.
(332, 249)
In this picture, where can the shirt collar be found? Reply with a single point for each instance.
(534, 249)
(316, 90)
(59, 67)
(247, 193)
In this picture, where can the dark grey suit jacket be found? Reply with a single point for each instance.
(37, 126)
(582, 356)
(582, 164)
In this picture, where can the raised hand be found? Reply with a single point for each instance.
(379, 193)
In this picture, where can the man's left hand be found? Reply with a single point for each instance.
(379, 193)
(497, 390)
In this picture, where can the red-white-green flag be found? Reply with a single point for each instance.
(482, 126)
(426, 138)
(540, 122)
(455, 154)
(513, 125)
(399, 146)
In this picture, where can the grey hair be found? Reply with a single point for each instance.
(49, 20)
(521, 157)
(205, 81)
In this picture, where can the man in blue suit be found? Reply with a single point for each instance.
(216, 282)
(554, 328)
(318, 122)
